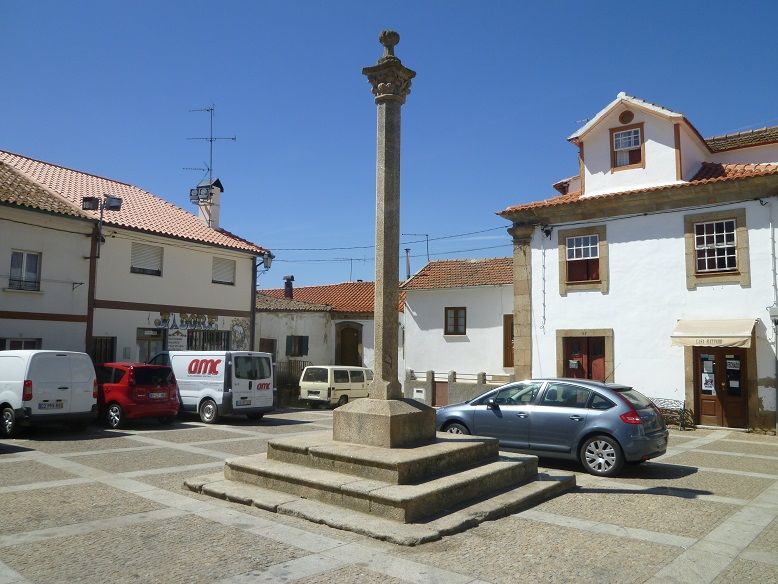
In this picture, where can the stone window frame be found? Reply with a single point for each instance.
(561, 334)
(742, 275)
(603, 283)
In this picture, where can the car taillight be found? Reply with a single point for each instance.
(131, 378)
(27, 390)
(94, 388)
(631, 418)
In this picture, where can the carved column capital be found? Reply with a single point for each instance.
(391, 80)
(521, 232)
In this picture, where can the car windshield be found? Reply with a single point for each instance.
(637, 399)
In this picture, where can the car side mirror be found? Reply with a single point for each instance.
(491, 404)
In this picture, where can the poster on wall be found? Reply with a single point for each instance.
(708, 384)
(176, 341)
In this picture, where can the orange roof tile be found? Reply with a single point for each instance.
(343, 297)
(16, 189)
(709, 172)
(743, 139)
(462, 273)
(140, 210)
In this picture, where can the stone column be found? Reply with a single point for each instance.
(522, 300)
(391, 83)
(385, 419)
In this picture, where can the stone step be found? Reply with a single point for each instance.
(466, 516)
(400, 466)
(406, 503)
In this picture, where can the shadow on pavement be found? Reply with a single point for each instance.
(13, 449)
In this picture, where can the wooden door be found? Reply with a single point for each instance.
(720, 386)
(349, 347)
(584, 357)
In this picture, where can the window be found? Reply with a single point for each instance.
(716, 246)
(146, 259)
(627, 147)
(296, 346)
(583, 258)
(25, 271)
(20, 344)
(516, 394)
(564, 395)
(340, 376)
(252, 367)
(357, 376)
(316, 374)
(600, 403)
(456, 321)
(223, 271)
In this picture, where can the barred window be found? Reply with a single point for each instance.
(715, 246)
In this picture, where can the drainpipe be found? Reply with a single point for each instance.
(773, 310)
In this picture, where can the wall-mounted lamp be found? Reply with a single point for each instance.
(107, 203)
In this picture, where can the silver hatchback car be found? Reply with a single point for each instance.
(602, 425)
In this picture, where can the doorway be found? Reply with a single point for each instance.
(348, 350)
(720, 386)
(584, 358)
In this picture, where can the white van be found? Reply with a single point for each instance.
(217, 383)
(333, 384)
(43, 387)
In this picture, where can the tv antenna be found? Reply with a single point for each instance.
(211, 139)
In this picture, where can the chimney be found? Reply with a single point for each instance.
(288, 288)
(207, 197)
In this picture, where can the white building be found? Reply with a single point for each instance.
(331, 324)
(655, 265)
(459, 317)
(150, 277)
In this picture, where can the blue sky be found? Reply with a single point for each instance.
(106, 87)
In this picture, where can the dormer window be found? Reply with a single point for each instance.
(627, 147)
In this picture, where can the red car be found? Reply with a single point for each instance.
(136, 390)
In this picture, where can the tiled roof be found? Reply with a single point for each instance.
(16, 189)
(343, 297)
(709, 172)
(462, 273)
(268, 303)
(140, 210)
(743, 139)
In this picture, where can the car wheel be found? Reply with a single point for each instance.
(208, 411)
(166, 420)
(8, 423)
(255, 417)
(114, 416)
(601, 456)
(342, 401)
(456, 428)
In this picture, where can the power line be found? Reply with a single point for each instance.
(338, 260)
(373, 247)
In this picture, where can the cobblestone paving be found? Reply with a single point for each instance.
(109, 506)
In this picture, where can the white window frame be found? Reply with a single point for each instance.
(27, 343)
(223, 271)
(717, 243)
(583, 247)
(624, 142)
(21, 282)
(146, 259)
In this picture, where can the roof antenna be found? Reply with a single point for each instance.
(205, 194)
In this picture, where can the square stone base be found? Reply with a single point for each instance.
(394, 423)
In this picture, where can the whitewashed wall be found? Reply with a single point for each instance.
(315, 325)
(648, 295)
(186, 274)
(64, 245)
(766, 153)
(481, 349)
(659, 155)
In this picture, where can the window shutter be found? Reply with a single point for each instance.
(147, 257)
(304, 350)
(289, 345)
(223, 271)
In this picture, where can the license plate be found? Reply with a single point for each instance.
(57, 405)
(157, 395)
(243, 402)
(316, 393)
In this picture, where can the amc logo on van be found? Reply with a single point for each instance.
(204, 367)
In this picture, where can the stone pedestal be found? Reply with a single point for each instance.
(394, 423)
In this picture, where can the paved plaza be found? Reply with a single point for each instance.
(110, 506)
